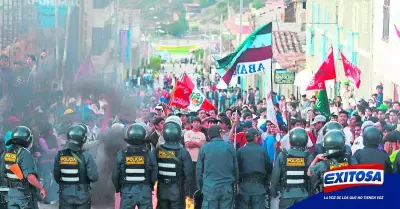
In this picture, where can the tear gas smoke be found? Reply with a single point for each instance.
(122, 108)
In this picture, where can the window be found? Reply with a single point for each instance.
(386, 20)
(304, 5)
(97, 40)
(319, 15)
(310, 42)
(365, 17)
(354, 58)
(314, 13)
(106, 35)
(327, 19)
(350, 44)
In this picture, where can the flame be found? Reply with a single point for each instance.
(189, 202)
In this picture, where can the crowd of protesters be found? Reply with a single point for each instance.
(237, 110)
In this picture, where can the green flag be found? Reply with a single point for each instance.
(322, 103)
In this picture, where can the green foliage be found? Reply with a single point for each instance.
(257, 4)
(155, 63)
(206, 3)
(194, 29)
(222, 4)
(179, 27)
(236, 4)
(198, 54)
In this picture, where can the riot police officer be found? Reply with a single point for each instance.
(74, 170)
(174, 168)
(331, 125)
(335, 156)
(254, 171)
(217, 171)
(371, 153)
(18, 166)
(289, 176)
(136, 171)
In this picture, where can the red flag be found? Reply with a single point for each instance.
(397, 31)
(181, 95)
(326, 72)
(352, 72)
(187, 81)
(186, 95)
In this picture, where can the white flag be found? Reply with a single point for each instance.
(270, 107)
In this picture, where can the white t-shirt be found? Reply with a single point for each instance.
(358, 144)
(348, 134)
(196, 137)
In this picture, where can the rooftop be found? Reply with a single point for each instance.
(287, 50)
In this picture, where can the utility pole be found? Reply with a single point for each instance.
(241, 22)
(229, 14)
(57, 41)
(117, 46)
(220, 37)
(66, 42)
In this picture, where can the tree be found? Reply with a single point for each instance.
(206, 3)
(179, 27)
(155, 63)
(257, 4)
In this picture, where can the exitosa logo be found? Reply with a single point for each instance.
(353, 176)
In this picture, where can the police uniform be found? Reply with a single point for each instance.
(217, 171)
(371, 154)
(289, 176)
(334, 146)
(74, 170)
(136, 171)
(175, 168)
(21, 193)
(254, 171)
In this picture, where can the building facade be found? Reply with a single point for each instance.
(346, 26)
(98, 30)
(387, 45)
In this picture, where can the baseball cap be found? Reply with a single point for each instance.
(318, 118)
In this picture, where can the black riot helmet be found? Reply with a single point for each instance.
(76, 137)
(251, 134)
(334, 143)
(298, 138)
(172, 133)
(21, 135)
(331, 125)
(372, 135)
(135, 134)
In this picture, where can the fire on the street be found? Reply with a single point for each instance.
(189, 202)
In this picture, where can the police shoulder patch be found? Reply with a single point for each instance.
(134, 160)
(10, 157)
(333, 165)
(291, 162)
(68, 160)
(167, 154)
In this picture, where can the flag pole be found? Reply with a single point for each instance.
(234, 140)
